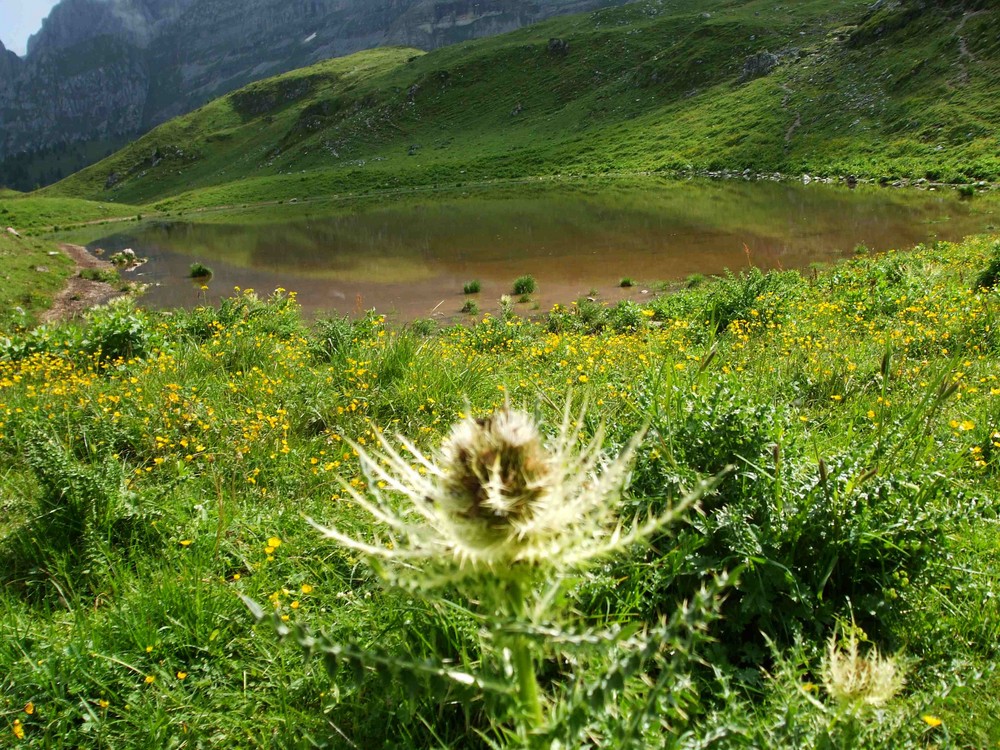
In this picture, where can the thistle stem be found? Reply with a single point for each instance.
(524, 665)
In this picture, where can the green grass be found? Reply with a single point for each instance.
(200, 271)
(151, 463)
(38, 215)
(32, 271)
(525, 285)
(642, 88)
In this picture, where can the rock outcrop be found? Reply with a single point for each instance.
(100, 71)
(9, 64)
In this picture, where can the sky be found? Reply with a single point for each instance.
(19, 19)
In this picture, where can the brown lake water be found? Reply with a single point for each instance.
(410, 257)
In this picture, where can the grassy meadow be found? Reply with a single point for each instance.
(160, 466)
(33, 271)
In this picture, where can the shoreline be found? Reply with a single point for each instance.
(81, 295)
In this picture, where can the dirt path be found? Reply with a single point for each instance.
(964, 55)
(79, 295)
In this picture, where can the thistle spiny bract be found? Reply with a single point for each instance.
(495, 497)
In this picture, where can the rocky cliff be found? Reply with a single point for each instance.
(100, 71)
(9, 63)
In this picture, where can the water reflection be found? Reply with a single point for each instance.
(411, 257)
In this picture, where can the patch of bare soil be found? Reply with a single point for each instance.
(80, 295)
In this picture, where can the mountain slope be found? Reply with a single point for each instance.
(885, 91)
(102, 70)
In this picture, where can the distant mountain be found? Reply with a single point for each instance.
(100, 72)
(826, 88)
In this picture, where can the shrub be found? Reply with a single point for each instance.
(525, 285)
(85, 512)
(472, 287)
(200, 271)
(99, 274)
(808, 536)
(694, 280)
(627, 316)
(332, 338)
(752, 294)
(40, 339)
(423, 326)
(586, 316)
(120, 332)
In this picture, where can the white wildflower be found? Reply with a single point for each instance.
(496, 498)
(851, 678)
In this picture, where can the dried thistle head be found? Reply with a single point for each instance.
(495, 473)
(852, 678)
(497, 497)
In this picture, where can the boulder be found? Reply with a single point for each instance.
(758, 65)
(558, 47)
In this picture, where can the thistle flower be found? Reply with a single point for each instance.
(505, 514)
(496, 498)
(851, 678)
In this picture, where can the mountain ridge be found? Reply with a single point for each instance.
(713, 86)
(103, 71)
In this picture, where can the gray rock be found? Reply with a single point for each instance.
(559, 47)
(758, 65)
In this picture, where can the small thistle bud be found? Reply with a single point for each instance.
(851, 678)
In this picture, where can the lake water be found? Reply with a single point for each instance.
(409, 257)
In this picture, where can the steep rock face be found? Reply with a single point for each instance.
(431, 23)
(98, 92)
(9, 65)
(109, 68)
(71, 22)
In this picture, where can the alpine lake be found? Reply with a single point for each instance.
(409, 256)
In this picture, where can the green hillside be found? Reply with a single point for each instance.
(903, 90)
